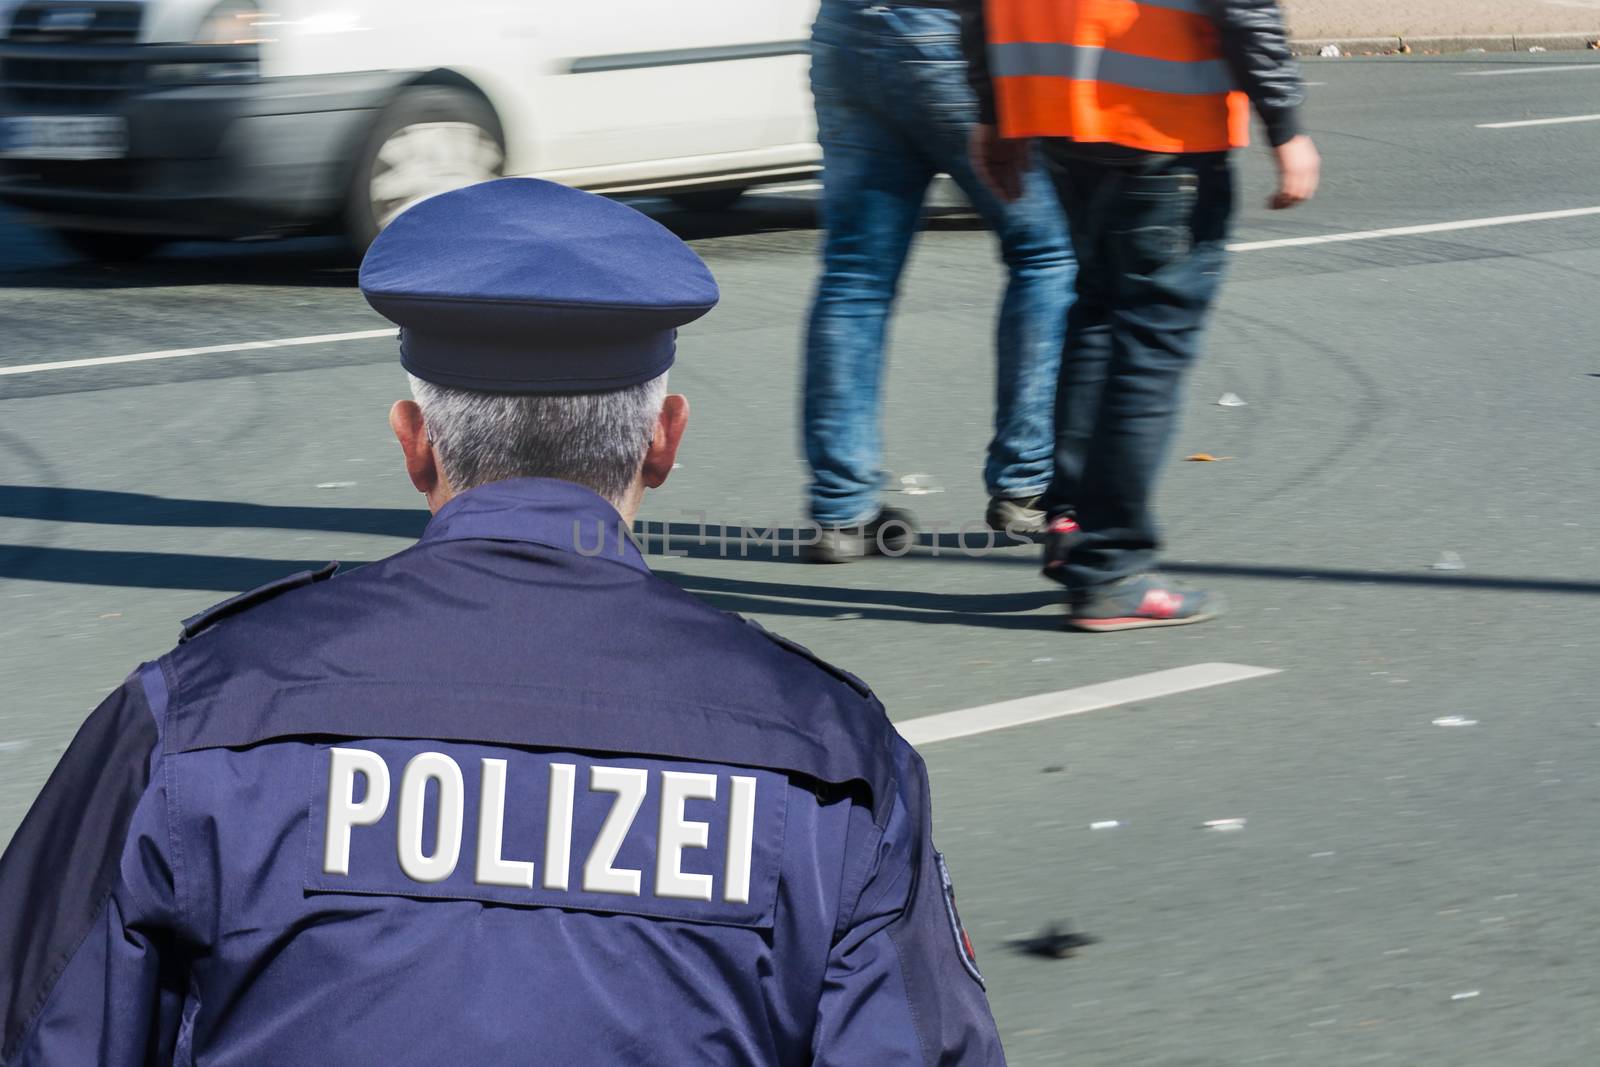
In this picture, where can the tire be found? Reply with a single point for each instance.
(431, 139)
(110, 247)
(708, 200)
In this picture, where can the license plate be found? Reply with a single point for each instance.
(64, 137)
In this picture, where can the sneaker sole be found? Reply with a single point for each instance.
(1135, 622)
(811, 555)
(1035, 528)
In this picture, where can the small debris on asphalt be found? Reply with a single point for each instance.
(846, 616)
(1206, 457)
(1056, 942)
(1232, 400)
(1044, 659)
(1108, 824)
(1538, 48)
(1468, 995)
(1054, 768)
(1449, 561)
(1330, 51)
(919, 485)
(1224, 825)
(335, 485)
(1455, 720)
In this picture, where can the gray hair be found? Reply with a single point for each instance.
(597, 440)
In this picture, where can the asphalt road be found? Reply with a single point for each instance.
(1400, 892)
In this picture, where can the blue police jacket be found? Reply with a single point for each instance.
(504, 797)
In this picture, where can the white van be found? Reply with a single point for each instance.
(125, 123)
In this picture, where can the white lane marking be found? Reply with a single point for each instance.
(1533, 69)
(1409, 231)
(930, 729)
(208, 350)
(1537, 122)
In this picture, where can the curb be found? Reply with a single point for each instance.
(1551, 42)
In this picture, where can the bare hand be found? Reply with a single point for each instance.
(1299, 169)
(999, 162)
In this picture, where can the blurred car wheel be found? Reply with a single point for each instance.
(110, 247)
(431, 140)
(708, 199)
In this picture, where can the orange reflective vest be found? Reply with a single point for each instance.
(1145, 74)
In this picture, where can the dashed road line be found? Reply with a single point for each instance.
(1412, 231)
(207, 350)
(1537, 122)
(1540, 68)
(949, 725)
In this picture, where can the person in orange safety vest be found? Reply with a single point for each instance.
(1135, 106)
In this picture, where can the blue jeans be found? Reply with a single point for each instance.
(1150, 232)
(894, 110)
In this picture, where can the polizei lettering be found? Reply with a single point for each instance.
(429, 811)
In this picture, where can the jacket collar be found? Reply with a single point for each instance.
(542, 511)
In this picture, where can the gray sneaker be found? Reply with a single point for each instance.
(1022, 516)
(893, 532)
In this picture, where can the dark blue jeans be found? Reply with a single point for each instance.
(893, 111)
(1149, 231)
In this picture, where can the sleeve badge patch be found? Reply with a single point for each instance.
(969, 958)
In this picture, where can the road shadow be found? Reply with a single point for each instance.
(787, 544)
(710, 540)
(913, 599)
(225, 575)
(33, 259)
(301, 262)
(1419, 579)
(1002, 611)
(103, 507)
(36, 260)
(661, 543)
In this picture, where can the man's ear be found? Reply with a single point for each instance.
(405, 419)
(670, 424)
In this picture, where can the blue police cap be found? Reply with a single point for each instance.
(525, 286)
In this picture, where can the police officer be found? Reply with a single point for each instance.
(504, 797)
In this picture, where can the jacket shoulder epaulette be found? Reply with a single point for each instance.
(801, 650)
(196, 624)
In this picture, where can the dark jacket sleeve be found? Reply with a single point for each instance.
(897, 990)
(87, 899)
(1256, 44)
(975, 46)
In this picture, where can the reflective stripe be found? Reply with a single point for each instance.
(1022, 59)
(1192, 7)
